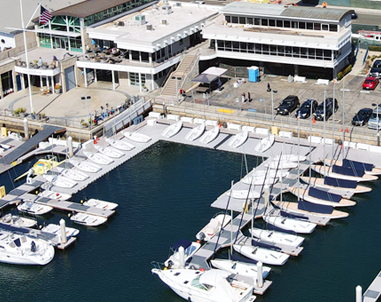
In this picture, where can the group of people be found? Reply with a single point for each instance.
(243, 97)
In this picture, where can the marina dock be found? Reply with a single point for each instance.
(374, 290)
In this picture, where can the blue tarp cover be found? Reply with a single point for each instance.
(312, 207)
(358, 165)
(347, 171)
(289, 215)
(256, 242)
(342, 183)
(313, 192)
(182, 242)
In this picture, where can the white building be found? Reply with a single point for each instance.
(296, 40)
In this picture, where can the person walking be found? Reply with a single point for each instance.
(268, 87)
(249, 97)
(243, 97)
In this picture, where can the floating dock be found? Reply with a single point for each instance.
(374, 290)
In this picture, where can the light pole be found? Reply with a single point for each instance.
(378, 126)
(272, 103)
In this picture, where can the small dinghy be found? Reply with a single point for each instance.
(119, 144)
(282, 165)
(337, 184)
(32, 208)
(18, 221)
(240, 268)
(276, 237)
(210, 135)
(213, 227)
(289, 157)
(238, 139)
(98, 158)
(189, 249)
(54, 195)
(137, 137)
(244, 194)
(343, 173)
(195, 133)
(290, 224)
(60, 181)
(56, 230)
(321, 197)
(100, 204)
(259, 180)
(73, 174)
(87, 219)
(109, 151)
(172, 130)
(85, 165)
(311, 209)
(261, 254)
(356, 165)
(265, 143)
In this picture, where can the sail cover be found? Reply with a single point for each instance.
(357, 165)
(324, 195)
(347, 171)
(342, 183)
(312, 207)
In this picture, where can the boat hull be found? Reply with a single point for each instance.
(290, 224)
(210, 135)
(260, 254)
(327, 171)
(240, 268)
(277, 237)
(319, 183)
(195, 133)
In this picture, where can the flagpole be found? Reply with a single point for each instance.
(26, 59)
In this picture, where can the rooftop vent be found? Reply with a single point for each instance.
(164, 22)
(149, 27)
(119, 23)
(140, 19)
(167, 9)
(178, 3)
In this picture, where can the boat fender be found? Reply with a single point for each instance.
(81, 201)
(189, 299)
(165, 268)
(202, 269)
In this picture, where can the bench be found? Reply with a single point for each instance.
(262, 131)
(286, 134)
(249, 129)
(199, 121)
(350, 145)
(322, 82)
(211, 123)
(157, 115)
(151, 122)
(300, 79)
(315, 139)
(232, 126)
(327, 141)
(363, 146)
(375, 149)
(173, 117)
(186, 119)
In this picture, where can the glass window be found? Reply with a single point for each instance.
(281, 51)
(311, 53)
(228, 45)
(325, 27)
(235, 46)
(227, 19)
(258, 48)
(310, 25)
(303, 53)
(302, 25)
(317, 26)
(250, 21)
(250, 47)
(257, 21)
(294, 24)
(235, 20)
(287, 24)
(265, 22)
(272, 22)
(327, 54)
(279, 23)
(144, 56)
(135, 55)
(243, 46)
(220, 45)
(296, 52)
(273, 50)
(288, 51)
(332, 27)
(242, 20)
(265, 49)
(319, 54)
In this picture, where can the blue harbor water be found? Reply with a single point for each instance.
(164, 194)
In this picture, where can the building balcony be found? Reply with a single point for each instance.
(38, 71)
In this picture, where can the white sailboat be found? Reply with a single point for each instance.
(73, 174)
(338, 172)
(261, 254)
(208, 285)
(20, 249)
(109, 151)
(34, 208)
(368, 168)
(195, 133)
(137, 137)
(240, 268)
(85, 165)
(282, 165)
(277, 237)
(98, 158)
(239, 139)
(60, 181)
(18, 221)
(259, 180)
(54, 195)
(265, 143)
(210, 135)
(336, 184)
(173, 129)
(88, 219)
(243, 194)
(120, 144)
(290, 224)
(289, 157)
(100, 204)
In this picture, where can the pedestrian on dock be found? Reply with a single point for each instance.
(248, 97)
(268, 87)
(243, 97)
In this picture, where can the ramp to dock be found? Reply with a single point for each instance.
(31, 143)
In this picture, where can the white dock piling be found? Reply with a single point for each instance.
(63, 231)
(70, 145)
(260, 274)
(26, 129)
(181, 257)
(358, 293)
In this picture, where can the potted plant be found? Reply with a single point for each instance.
(145, 89)
(20, 112)
(84, 124)
(57, 88)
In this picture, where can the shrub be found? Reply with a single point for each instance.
(339, 75)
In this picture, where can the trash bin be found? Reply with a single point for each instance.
(253, 74)
(290, 79)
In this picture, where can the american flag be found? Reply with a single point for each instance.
(45, 15)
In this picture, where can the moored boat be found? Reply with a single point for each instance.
(101, 204)
(189, 249)
(290, 224)
(54, 195)
(18, 221)
(120, 144)
(137, 137)
(109, 151)
(60, 181)
(355, 165)
(173, 129)
(261, 254)
(34, 208)
(210, 135)
(289, 157)
(343, 173)
(98, 158)
(337, 184)
(244, 194)
(238, 139)
(87, 219)
(213, 227)
(56, 230)
(73, 174)
(265, 143)
(195, 133)
(277, 237)
(85, 165)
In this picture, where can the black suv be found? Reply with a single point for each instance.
(288, 105)
(330, 106)
(306, 109)
(375, 71)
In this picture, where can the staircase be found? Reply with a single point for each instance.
(179, 75)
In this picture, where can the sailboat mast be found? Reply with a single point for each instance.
(343, 121)
(333, 118)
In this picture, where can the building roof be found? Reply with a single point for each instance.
(10, 16)
(88, 8)
(302, 12)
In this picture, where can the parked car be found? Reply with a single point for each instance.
(307, 108)
(375, 71)
(362, 117)
(377, 63)
(370, 83)
(375, 119)
(354, 15)
(288, 105)
(331, 106)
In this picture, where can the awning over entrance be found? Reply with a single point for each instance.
(210, 75)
